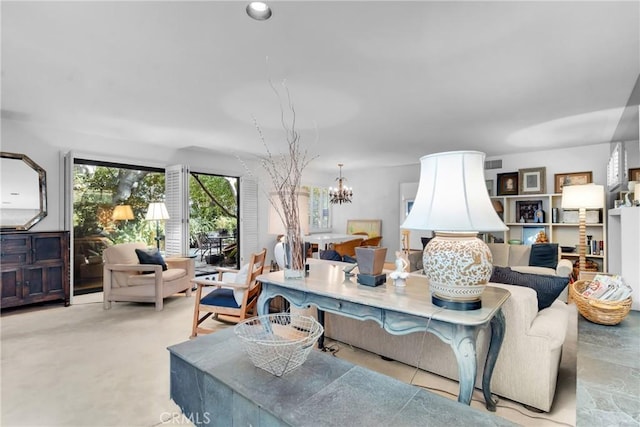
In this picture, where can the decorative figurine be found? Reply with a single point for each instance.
(400, 273)
(538, 216)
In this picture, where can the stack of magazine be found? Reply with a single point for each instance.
(608, 288)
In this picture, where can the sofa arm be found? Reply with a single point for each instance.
(564, 268)
(187, 264)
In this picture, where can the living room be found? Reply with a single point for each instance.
(55, 104)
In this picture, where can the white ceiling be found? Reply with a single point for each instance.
(373, 83)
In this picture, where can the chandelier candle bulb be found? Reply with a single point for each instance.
(342, 194)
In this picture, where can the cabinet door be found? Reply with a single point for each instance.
(48, 248)
(43, 283)
(12, 289)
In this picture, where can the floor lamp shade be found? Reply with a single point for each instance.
(157, 211)
(453, 202)
(582, 197)
(122, 213)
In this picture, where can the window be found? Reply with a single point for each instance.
(98, 189)
(319, 213)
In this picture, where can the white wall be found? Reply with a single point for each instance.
(377, 192)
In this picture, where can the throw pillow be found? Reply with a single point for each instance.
(151, 257)
(544, 255)
(349, 259)
(548, 288)
(330, 255)
(241, 278)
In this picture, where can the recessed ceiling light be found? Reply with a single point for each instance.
(259, 10)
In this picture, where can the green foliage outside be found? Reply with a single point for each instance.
(98, 189)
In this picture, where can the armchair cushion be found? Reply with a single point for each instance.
(151, 257)
(149, 278)
(547, 288)
(544, 255)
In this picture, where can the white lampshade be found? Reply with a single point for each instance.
(157, 211)
(588, 196)
(452, 195)
(122, 213)
(276, 226)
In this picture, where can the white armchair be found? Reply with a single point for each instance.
(125, 279)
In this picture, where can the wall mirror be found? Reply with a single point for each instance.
(23, 192)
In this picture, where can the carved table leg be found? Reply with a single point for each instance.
(464, 347)
(497, 335)
(263, 302)
(321, 321)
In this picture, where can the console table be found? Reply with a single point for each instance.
(399, 311)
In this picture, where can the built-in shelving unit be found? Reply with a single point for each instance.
(559, 231)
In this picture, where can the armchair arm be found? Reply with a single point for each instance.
(134, 267)
(209, 282)
(227, 270)
(564, 268)
(187, 264)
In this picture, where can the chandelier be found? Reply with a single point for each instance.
(342, 194)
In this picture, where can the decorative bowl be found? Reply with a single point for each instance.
(568, 249)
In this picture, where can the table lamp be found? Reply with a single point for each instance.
(157, 212)
(452, 201)
(582, 197)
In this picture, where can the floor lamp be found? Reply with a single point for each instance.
(582, 197)
(157, 212)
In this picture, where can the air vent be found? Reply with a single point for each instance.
(493, 164)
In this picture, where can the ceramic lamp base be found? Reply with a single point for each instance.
(458, 266)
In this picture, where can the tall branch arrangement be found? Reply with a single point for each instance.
(285, 170)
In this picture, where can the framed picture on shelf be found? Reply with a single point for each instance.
(526, 210)
(532, 181)
(574, 178)
(507, 184)
(530, 234)
(634, 174)
(489, 184)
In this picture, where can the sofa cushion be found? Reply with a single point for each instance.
(547, 287)
(544, 255)
(150, 278)
(151, 257)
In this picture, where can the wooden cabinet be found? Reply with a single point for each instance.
(564, 230)
(34, 267)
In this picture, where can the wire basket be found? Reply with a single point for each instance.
(279, 343)
(598, 311)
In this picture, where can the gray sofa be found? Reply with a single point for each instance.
(527, 367)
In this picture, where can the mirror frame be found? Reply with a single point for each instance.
(42, 183)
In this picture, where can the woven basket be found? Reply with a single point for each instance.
(598, 311)
(279, 343)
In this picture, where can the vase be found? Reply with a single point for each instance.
(294, 255)
(370, 259)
